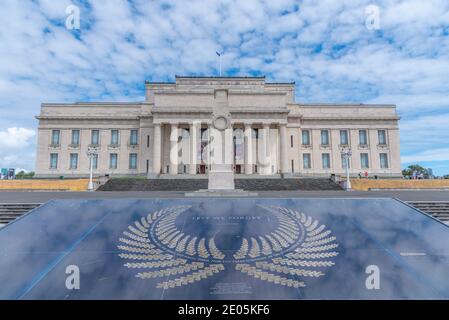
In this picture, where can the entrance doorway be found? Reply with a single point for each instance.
(238, 169)
(202, 169)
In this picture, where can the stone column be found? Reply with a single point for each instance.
(264, 154)
(248, 149)
(173, 167)
(227, 151)
(157, 149)
(283, 147)
(193, 148)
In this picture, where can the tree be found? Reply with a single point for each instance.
(417, 170)
(24, 175)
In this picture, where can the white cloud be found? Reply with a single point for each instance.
(17, 148)
(428, 155)
(15, 138)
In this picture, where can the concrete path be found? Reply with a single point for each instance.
(41, 197)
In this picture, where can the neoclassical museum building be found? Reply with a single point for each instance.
(169, 133)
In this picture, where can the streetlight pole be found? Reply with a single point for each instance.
(91, 153)
(347, 153)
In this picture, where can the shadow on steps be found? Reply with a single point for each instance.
(196, 184)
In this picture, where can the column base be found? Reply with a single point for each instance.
(152, 176)
(221, 179)
(221, 193)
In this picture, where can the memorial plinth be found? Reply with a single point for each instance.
(228, 249)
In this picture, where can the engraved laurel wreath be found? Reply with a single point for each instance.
(298, 248)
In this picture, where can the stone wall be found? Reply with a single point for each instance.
(367, 184)
(42, 184)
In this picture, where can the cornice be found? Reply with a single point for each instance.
(350, 118)
(44, 117)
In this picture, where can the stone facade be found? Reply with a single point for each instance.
(272, 133)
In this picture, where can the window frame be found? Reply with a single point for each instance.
(131, 135)
(72, 136)
(327, 137)
(362, 154)
(347, 137)
(118, 137)
(52, 141)
(309, 156)
(131, 156)
(366, 137)
(323, 155)
(51, 161)
(308, 137)
(384, 136)
(74, 156)
(343, 162)
(92, 137)
(95, 162)
(386, 159)
(116, 161)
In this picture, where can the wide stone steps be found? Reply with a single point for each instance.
(437, 209)
(12, 211)
(197, 184)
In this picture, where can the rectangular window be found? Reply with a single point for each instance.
(55, 137)
(133, 161)
(291, 141)
(343, 162)
(54, 161)
(325, 137)
(95, 161)
(363, 137)
(306, 161)
(364, 160)
(95, 138)
(73, 160)
(382, 136)
(114, 137)
(113, 161)
(148, 141)
(293, 165)
(133, 139)
(344, 139)
(383, 160)
(148, 166)
(306, 137)
(325, 158)
(75, 137)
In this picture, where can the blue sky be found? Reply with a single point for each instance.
(324, 46)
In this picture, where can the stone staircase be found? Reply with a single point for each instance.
(11, 211)
(437, 209)
(252, 184)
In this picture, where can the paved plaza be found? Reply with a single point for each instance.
(42, 197)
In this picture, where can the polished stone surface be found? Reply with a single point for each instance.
(225, 249)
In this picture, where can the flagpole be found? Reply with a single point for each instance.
(219, 59)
